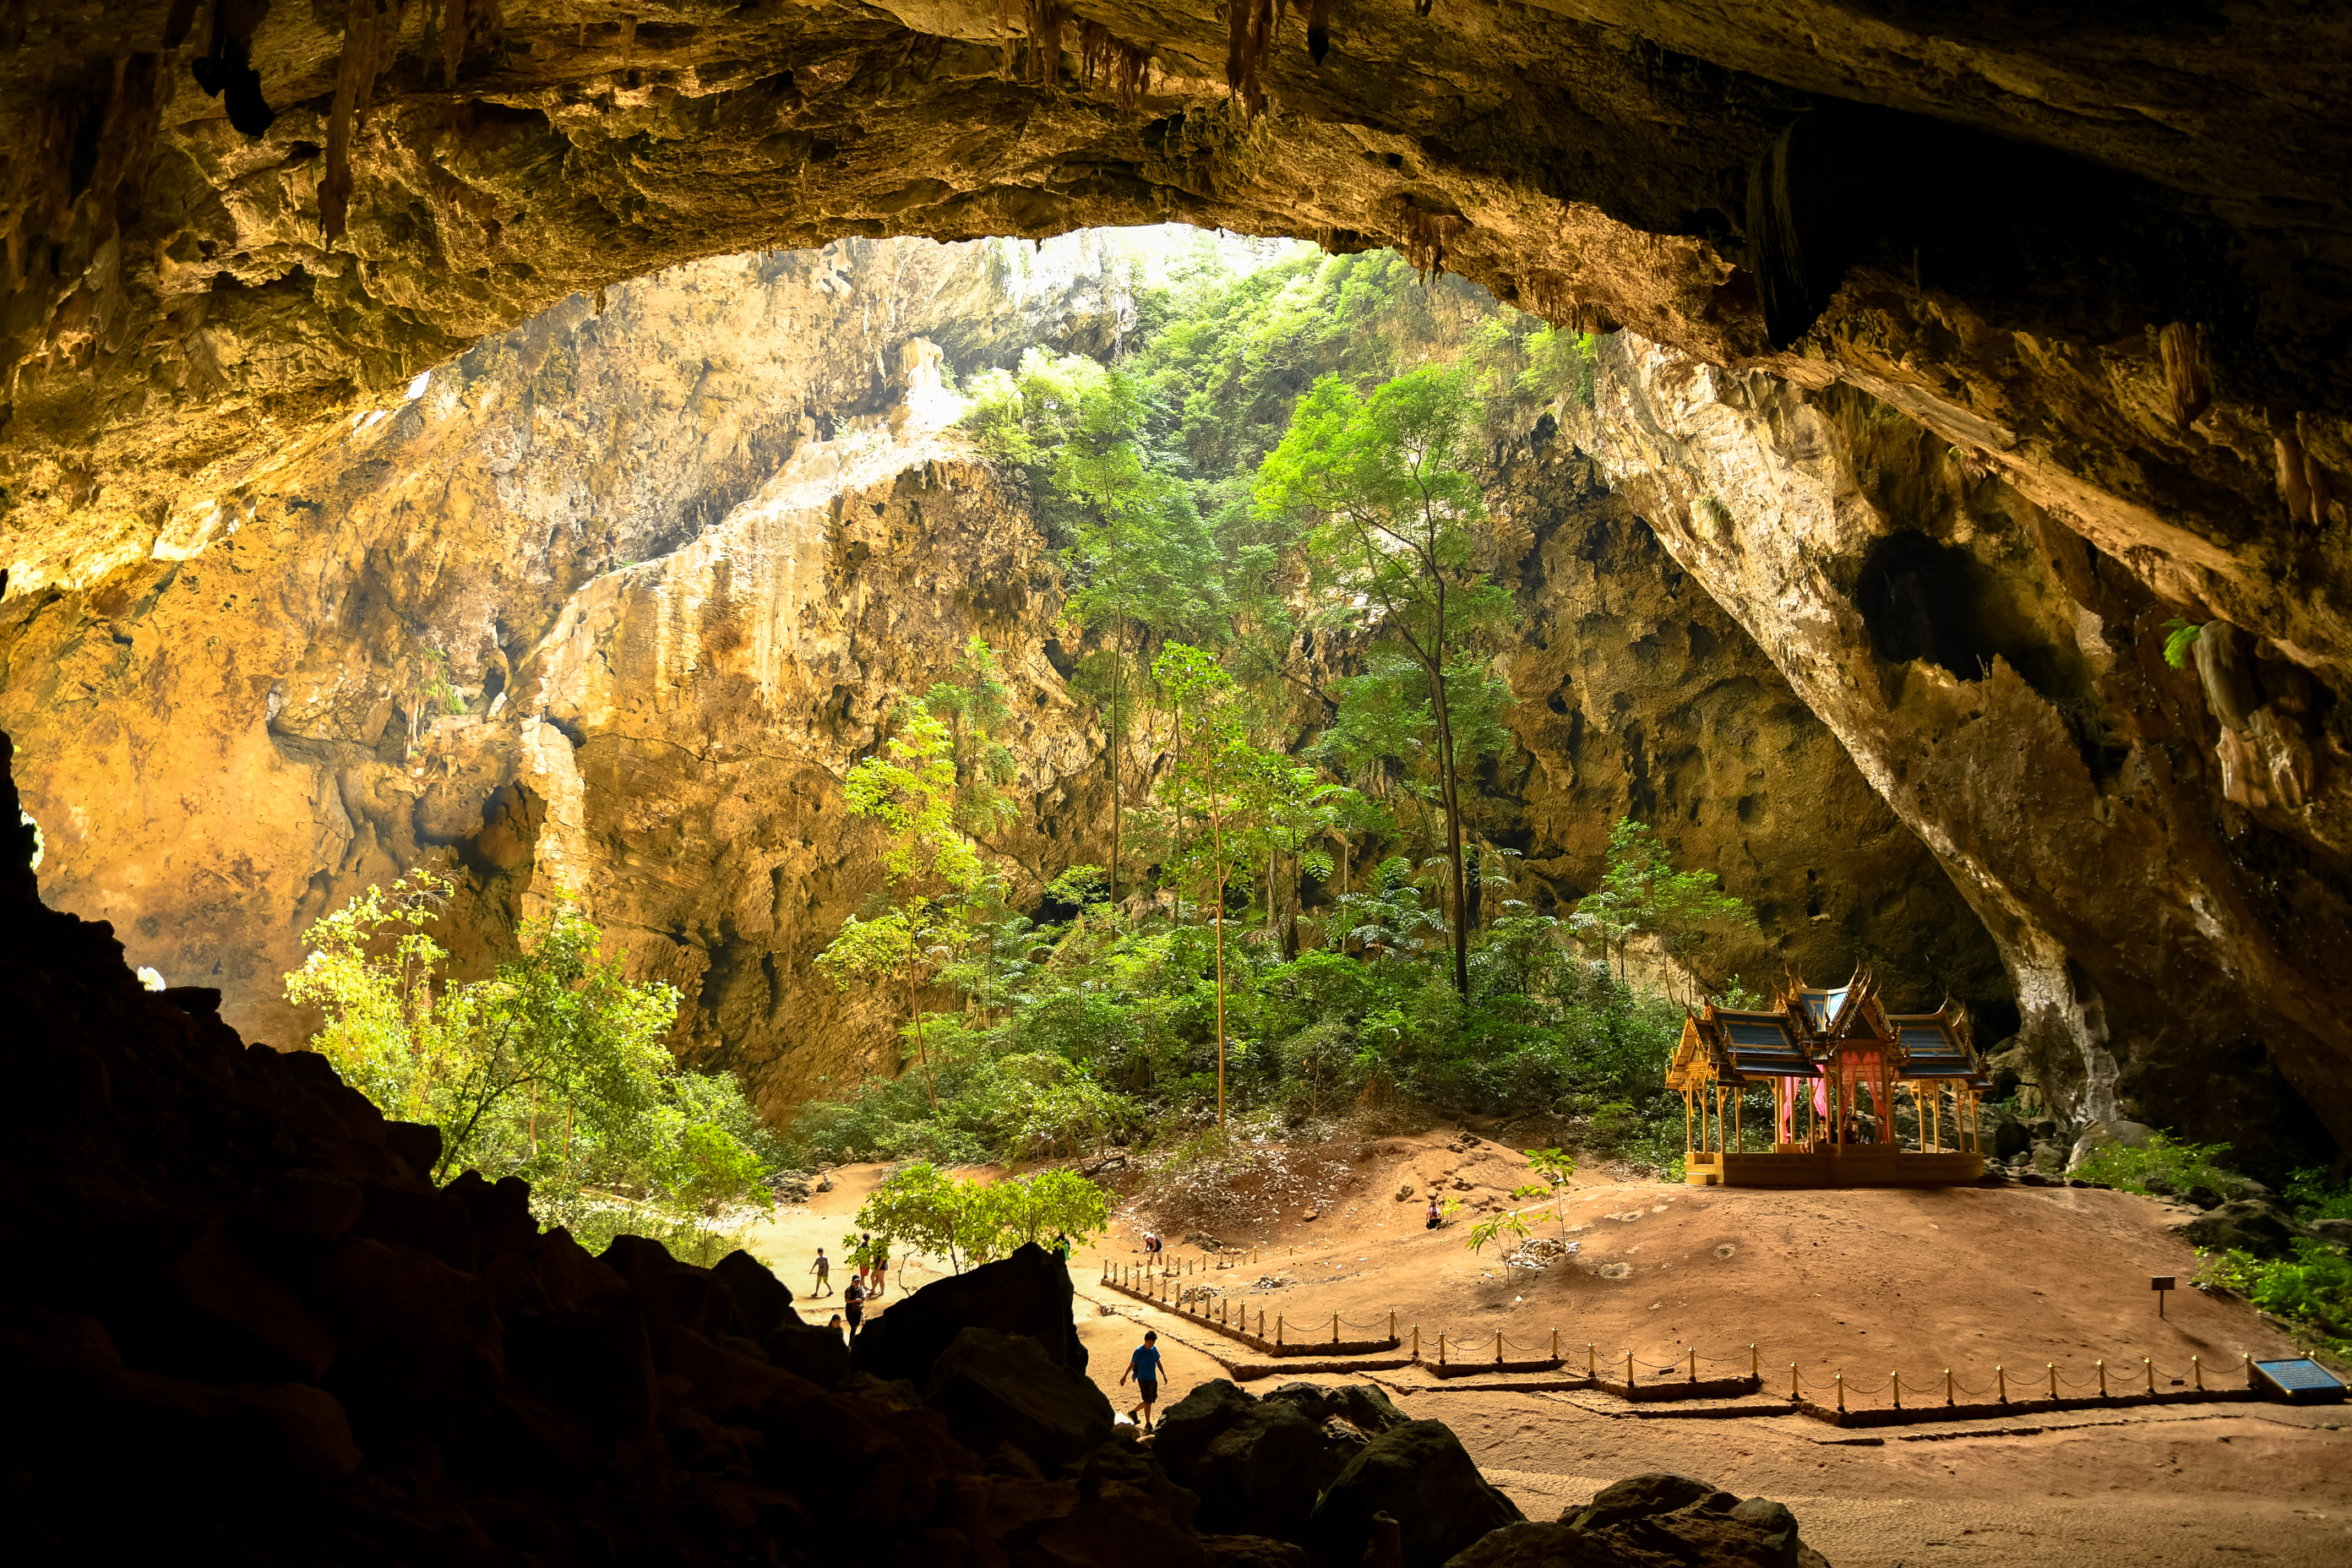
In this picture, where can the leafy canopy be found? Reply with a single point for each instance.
(553, 1069)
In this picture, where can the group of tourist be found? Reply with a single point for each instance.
(873, 1260)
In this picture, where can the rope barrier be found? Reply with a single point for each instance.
(1454, 1348)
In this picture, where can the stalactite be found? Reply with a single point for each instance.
(371, 37)
(2184, 378)
(1318, 30)
(1250, 28)
(1045, 20)
(1122, 67)
(1423, 237)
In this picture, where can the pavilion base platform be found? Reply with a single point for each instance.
(1831, 1165)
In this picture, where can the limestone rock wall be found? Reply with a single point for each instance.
(1998, 680)
(611, 602)
(1637, 694)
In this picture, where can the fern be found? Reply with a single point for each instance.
(2180, 634)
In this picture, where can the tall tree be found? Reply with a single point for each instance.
(934, 871)
(1243, 796)
(1384, 488)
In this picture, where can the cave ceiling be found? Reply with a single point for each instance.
(2105, 252)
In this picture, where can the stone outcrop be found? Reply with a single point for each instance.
(2179, 956)
(2106, 251)
(610, 604)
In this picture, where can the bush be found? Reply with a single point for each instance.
(922, 1208)
(2311, 1292)
(2177, 1166)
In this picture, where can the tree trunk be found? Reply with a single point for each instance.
(1118, 736)
(915, 1011)
(1217, 845)
(1452, 798)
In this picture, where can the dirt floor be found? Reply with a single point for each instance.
(1864, 1282)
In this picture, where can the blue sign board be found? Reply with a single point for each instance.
(2299, 1381)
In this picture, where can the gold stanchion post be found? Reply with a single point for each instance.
(1898, 1390)
(2148, 1367)
(2197, 1373)
(1948, 1386)
(2103, 1380)
(2053, 1379)
(2001, 1383)
(1841, 1393)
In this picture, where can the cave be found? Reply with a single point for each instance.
(526, 442)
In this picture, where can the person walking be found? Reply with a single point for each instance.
(1061, 1247)
(853, 1304)
(1144, 1367)
(881, 1266)
(822, 1269)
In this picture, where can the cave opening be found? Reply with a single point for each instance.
(683, 520)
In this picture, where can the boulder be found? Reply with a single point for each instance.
(1254, 1552)
(1027, 1293)
(1359, 1404)
(2009, 1138)
(2249, 1224)
(1255, 1464)
(763, 1302)
(2338, 1232)
(1639, 1497)
(1420, 1474)
(998, 1388)
(1530, 1545)
(1652, 1522)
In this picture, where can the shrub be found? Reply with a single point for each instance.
(2311, 1292)
(2178, 1166)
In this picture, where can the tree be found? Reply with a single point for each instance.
(975, 706)
(553, 1068)
(1385, 486)
(1641, 891)
(1218, 776)
(922, 1208)
(912, 790)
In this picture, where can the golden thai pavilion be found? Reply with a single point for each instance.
(1836, 1065)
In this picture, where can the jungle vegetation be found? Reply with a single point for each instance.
(1271, 519)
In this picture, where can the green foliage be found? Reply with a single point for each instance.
(2179, 1166)
(1383, 492)
(553, 1069)
(2312, 1196)
(920, 1208)
(1560, 364)
(2311, 1291)
(1509, 1226)
(1640, 893)
(2180, 637)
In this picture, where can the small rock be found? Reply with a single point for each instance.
(2251, 1225)
(1307, 1214)
(2338, 1231)
(1404, 1191)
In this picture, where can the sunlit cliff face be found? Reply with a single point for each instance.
(2064, 299)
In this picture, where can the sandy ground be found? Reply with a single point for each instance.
(1865, 1282)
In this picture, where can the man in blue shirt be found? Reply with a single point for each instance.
(1144, 1367)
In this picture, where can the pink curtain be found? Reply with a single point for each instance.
(1863, 1067)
